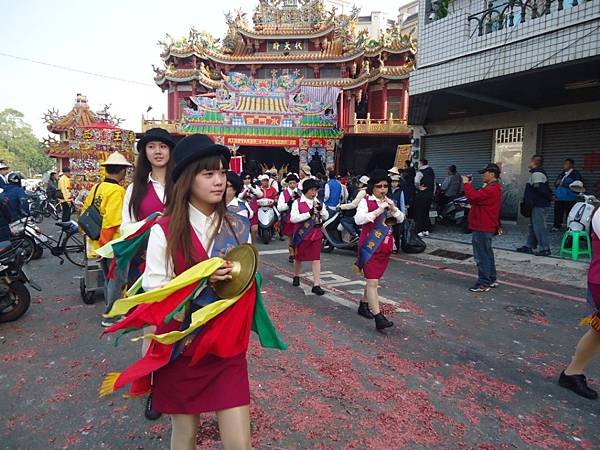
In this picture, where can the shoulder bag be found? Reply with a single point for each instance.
(90, 220)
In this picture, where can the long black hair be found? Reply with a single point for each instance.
(140, 181)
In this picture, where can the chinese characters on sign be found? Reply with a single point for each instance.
(287, 46)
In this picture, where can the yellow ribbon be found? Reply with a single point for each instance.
(192, 275)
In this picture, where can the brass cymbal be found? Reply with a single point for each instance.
(245, 264)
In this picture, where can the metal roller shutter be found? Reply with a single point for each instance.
(470, 152)
(579, 141)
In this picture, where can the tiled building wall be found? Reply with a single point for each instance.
(451, 53)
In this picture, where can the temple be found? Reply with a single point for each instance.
(298, 84)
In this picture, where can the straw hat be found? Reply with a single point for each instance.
(394, 170)
(116, 159)
(364, 179)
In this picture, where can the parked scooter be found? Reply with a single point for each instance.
(14, 295)
(335, 236)
(580, 216)
(266, 219)
(454, 212)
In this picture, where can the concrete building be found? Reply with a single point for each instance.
(375, 23)
(503, 83)
(408, 17)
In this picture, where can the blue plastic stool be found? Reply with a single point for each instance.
(574, 250)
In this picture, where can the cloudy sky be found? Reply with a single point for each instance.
(113, 39)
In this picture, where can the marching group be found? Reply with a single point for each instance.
(195, 209)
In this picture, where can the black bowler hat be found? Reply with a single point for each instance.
(235, 181)
(491, 167)
(194, 147)
(308, 184)
(155, 134)
(379, 175)
(292, 177)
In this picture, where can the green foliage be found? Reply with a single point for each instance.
(19, 147)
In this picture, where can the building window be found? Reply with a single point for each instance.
(394, 106)
(330, 72)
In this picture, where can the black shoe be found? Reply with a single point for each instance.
(524, 249)
(296, 281)
(577, 384)
(363, 310)
(317, 290)
(291, 259)
(542, 253)
(381, 323)
(149, 413)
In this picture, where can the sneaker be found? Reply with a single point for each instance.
(426, 233)
(317, 290)
(479, 288)
(296, 281)
(542, 253)
(494, 284)
(106, 322)
(421, 234)
(577, 384)
(291, 259)
(524, 249)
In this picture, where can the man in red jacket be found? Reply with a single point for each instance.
(484, 221)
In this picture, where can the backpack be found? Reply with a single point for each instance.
(411, 242)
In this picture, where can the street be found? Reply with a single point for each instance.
(458, 369)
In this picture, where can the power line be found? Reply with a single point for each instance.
(72, 69)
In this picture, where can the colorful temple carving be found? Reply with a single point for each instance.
(85, 139)
(299, 77)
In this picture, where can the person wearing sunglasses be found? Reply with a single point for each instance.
(377, 214)
(249, 194)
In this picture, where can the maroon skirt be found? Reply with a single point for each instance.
(309, 251)
(288, 228)
(375, 267)
(213, 384)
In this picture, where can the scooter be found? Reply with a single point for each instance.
(454, 212)
(33, 239)
(14, 295)
(580, 216)
(266, 219)
(336, 236)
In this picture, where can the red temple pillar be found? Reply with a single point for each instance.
(384, 100)
(404, 105)
(341, 112)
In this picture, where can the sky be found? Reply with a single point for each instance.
(112, 38)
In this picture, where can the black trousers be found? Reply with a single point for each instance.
(561, 210)
(66, 211)
(421, 211)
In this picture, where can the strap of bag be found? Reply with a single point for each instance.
(95, 190)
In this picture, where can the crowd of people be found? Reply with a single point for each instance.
(193, 208)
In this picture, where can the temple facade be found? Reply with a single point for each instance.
(295, 84)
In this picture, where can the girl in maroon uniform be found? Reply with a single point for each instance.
(284, 206)
(376, 242)
(308, 215)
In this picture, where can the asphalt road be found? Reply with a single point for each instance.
(458, 370)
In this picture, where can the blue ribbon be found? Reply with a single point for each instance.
(301, 233)
(373, 241)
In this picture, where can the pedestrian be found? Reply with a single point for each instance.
(250, 194)
(536, 201)
(484, 222)
(65, 195)
(273, 179)
(197, 225)
(4, 170)
(304, 174)
(284, 206)
(452, 186)
(349, 209)
(17, 197)
(333, 193)
(564, 197)
(424, 188)
(108, 197)
(375, 244)
(52, 187)
(234, 204)
(147, 193)
(397, 195)
(308, 215)
(588, 347)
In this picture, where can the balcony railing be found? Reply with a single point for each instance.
(500, 15)
(169, 125)
(368, 125)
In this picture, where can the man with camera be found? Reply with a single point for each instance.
(484, 221)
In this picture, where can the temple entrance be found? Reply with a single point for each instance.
(254, 157)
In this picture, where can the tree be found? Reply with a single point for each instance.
(19, 147)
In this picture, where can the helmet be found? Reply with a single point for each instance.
(14, 178)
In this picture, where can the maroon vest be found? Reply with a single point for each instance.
(594, 270)
(316, 234)
(150, 203)
(387, 245)
(198, 252)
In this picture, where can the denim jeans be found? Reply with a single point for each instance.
(484, 257)
(349, 225)
(538, 234)
(113, 289)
